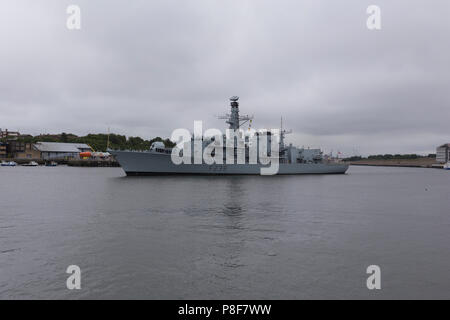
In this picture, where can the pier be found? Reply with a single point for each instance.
(71, 163)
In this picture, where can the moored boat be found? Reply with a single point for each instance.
(8, 164)
(31, 164)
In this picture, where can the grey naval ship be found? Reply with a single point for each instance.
(291, 160)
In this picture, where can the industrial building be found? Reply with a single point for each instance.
(27, 151)
(7, 138)
(59, 150)
(443, 153)
(3, 150)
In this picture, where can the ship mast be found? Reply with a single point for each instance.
(107, 141)
(283, 132)
(234, 120)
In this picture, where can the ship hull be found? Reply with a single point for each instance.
(152, 163)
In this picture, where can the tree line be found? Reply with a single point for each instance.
(390, 156)
(99, 141)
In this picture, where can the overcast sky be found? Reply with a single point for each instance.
(148, 67)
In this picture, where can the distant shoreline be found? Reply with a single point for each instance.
(408, 163)
(70, 162)
(411, 163)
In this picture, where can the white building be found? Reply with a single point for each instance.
(59, 150)
(443, 153)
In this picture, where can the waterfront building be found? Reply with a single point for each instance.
(3, 150)
(28, 151)
(59, 150)
(443, 153)
(15, 146)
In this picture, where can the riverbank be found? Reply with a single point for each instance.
(415, 163)
(93, 163)
(72, 163)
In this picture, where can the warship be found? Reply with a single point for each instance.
(289, 160)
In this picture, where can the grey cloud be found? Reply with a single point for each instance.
(148, 67)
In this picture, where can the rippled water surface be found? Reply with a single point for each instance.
(285, 237)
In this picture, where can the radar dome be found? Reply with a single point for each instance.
(157, 144)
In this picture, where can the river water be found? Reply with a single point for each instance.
(279, 237)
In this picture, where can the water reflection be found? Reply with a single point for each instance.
(234, 197)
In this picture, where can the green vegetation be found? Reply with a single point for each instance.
(390, 156)
(393, 156)
(354, 158)
(99, 141)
